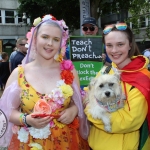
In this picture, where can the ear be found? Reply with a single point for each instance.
(130, 45)
(93, 81)
(117, 74)
(96, 29)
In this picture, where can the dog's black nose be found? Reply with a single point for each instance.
(107, 93)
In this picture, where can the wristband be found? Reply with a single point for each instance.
(21, 119)
(24, 121)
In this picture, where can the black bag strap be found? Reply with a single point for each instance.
(108, 68)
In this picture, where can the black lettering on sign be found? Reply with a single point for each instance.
(87, 48)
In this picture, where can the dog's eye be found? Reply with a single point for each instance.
(111, 84)
(101, 85)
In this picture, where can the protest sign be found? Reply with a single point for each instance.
(86, 55)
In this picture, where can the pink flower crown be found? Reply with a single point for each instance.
(61, 23)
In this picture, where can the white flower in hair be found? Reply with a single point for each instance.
(64, 24)
(48, 17)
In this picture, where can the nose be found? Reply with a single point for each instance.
(107, 93)
(88, 29)
(50, 42)
(114, 49)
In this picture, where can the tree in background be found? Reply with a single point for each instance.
(61, 9)
(69, 10)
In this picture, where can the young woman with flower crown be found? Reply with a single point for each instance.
(44, 97)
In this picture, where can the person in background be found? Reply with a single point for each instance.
(146, 53)
(20, 54)
(89, 28)
(51, 115)
(130, 125)
(1, 57)
(4, 69)
(12, 55)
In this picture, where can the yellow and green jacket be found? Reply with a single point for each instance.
(126, 122)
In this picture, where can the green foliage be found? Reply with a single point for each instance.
(139, 9)
(69, 10)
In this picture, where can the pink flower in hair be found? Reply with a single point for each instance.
(62, 24)
(66, 65)
(29, 35)
(63, 50)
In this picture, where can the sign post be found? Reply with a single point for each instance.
(86, 55)
(84, 11)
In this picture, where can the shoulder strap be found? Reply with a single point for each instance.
(107, 69)
(20, 74)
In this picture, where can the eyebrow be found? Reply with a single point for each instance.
(48, 35)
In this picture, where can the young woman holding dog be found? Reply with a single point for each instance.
(129, 122)
(45, 95)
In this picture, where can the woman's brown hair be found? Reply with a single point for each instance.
(134, 51)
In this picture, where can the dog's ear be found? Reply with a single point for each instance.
(117, 75)
(92, 82)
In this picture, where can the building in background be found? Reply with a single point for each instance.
(143, 23)
(12, 25)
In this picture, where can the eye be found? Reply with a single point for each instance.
(120, 44)
(101, 85)
(57, 40)
(45, 37)
(109, 46)
(111, 84)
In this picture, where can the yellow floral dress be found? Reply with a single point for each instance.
(62, 137)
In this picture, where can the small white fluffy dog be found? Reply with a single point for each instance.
(105, 96)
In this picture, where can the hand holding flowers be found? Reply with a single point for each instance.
(68, 115)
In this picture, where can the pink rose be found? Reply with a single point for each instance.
(66, 65)
(42, 107)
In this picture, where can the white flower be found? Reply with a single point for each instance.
(23, 135)
(57, 93)
(60, 82)
(40, 133)
(47, 17)
(64, 24)
(38, 146)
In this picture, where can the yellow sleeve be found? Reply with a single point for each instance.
(129, 118)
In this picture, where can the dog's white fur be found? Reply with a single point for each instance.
(106, 88)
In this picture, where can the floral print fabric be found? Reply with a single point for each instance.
(62, 137)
